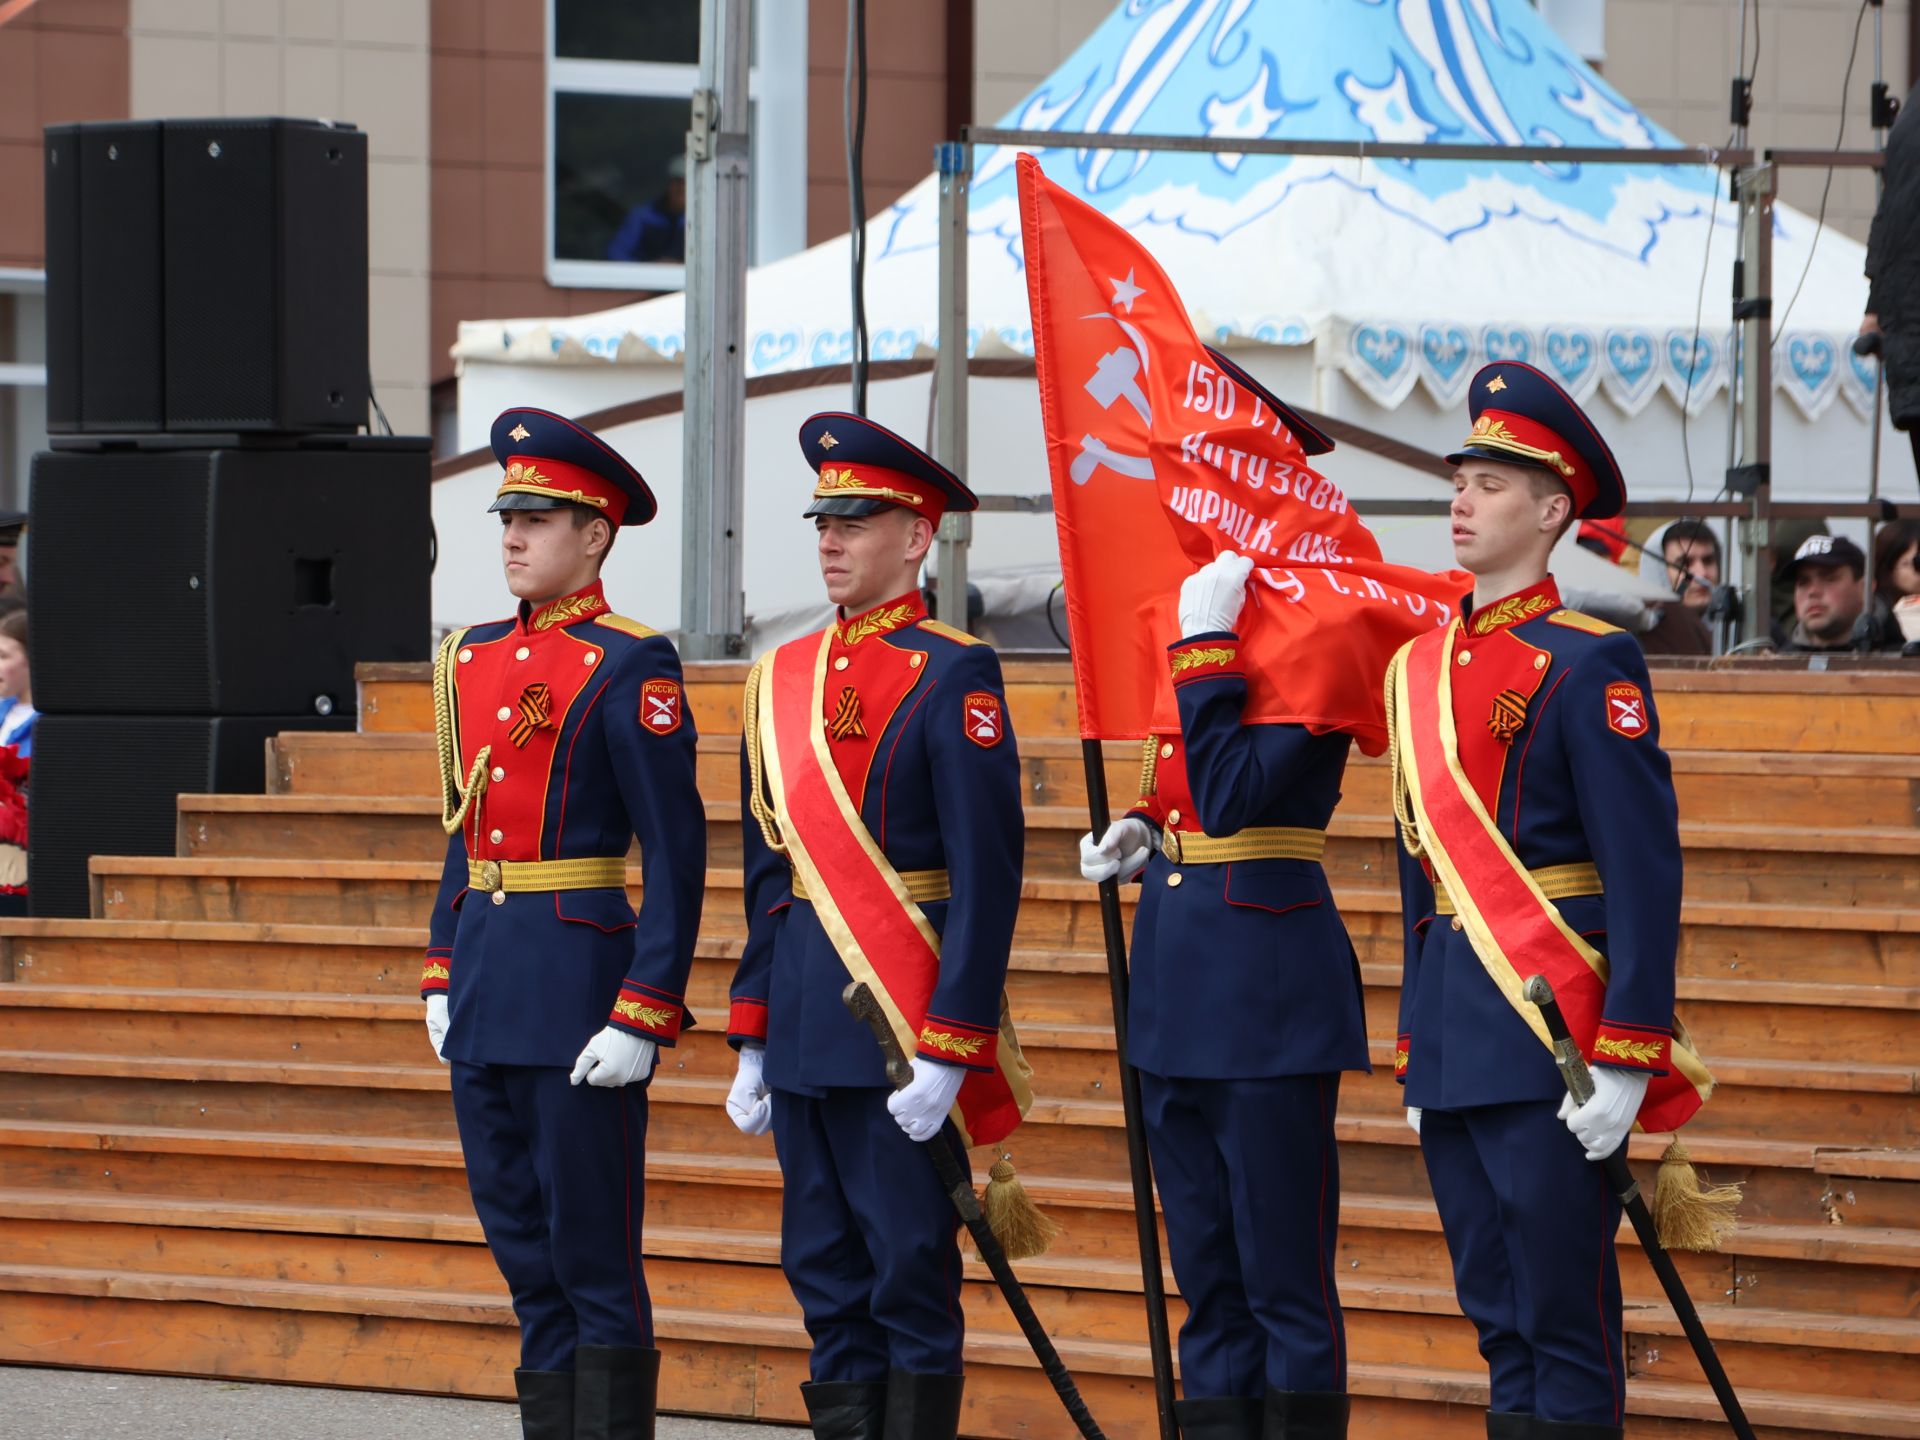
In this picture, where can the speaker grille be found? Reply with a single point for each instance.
(121, 309)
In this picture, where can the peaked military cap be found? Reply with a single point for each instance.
(1313, 440)
(860, 467)
(1522, 417)
(549, 462)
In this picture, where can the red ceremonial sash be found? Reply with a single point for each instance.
(1516, 931)
(882, 936)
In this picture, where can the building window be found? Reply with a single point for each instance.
(620, 78)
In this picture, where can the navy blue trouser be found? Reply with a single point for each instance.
(1249, 1181)
(1530, 1223)
(867, 1237)
(558, 1175)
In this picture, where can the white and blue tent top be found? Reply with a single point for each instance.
(1398, 274)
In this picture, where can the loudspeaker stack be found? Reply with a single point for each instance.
(215, 542)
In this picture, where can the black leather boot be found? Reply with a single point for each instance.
(1306, 1415)
(1508, 1425)
(614, 1392)
(845, 1409)
(546, 1403)
(1219, 1417)
(1538, 1429)
(923, 1407)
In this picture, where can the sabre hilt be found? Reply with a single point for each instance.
(1566, 1054)
(859, 999)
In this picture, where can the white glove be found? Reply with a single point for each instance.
(1603, 1122)
(615, 1057)
(923, 1105)
(1122, 851)
(437, 1024)
(1211, 597)
(1413, 1118)
(750, 1102)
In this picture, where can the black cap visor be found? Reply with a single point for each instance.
(522, 500)
(851, 506)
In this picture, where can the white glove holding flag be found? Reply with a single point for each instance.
(615, 1057)
(1603, 1122)
(437, 1025)
(1122, 852)
(750, 1101)
(923, 1105)
(1211, 597)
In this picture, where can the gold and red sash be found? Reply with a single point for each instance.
(882, 936)
(1515, 929)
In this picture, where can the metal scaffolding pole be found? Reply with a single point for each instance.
(712, 586)
(1753, 393)
(955, 165)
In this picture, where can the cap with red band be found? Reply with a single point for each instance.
(1522, 417)
(861, 468)
(549, 462)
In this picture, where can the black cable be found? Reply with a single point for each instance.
(854, 117)
(1826, 189)
(1060, 589)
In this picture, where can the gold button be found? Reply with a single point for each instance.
(1173, 817)
(1456, 923)
(840, 662)
(1465, 656)
(497, 837)
(522, 653)
(1166, 751)
(1539, 662)
(499, 897)
(503, 713)
(590, 657)
(498, 773)
(915, 661)
(465, 656)
(1173, 880)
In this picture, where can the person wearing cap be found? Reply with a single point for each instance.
(1828, 576)
(563, 734)
(1245, 1007)
(1539, 835)
(13, 525)
(883, 839)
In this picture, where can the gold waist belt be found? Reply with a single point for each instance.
(923, 886)
(595, 872)
(1560, 882)
(1262, 842)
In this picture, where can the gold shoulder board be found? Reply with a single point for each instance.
(959, 637)
(626, 626)
(1575, 620)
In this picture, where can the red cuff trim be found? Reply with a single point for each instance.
(1400, 1048)
(1632, 1047)
(648, 1012)
(954, 1043)
(434, 975)
(1205, 660)
(747, 1019)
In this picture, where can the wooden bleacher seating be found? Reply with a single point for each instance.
(226, 1149)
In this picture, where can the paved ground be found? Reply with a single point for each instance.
(86, 1405)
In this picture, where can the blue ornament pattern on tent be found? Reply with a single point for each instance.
(1859, 382)
(1570, 356)
(1380, 361)
(1692, 368)
(1631, 372)
(1446, 356)
(1504, 342)
(1811, 374)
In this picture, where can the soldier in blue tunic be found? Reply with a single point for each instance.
(563, 734)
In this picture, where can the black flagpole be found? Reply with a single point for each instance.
(1138, 1163)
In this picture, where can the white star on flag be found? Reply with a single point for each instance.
(1125, 292)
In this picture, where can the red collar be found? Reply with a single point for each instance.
(895, 614)
(568, 610)
(1515, 609)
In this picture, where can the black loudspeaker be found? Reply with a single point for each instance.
(108, 785)
(104, 279)
(206, 276)
(227, 582)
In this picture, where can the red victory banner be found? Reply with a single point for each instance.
(1162, 457)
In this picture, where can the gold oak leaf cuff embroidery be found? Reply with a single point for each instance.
(1638, 1052)
(845, 724)
(965, 1046)
(1399, 1060)
(435, 971)
(1211, 655)
(650, 1016)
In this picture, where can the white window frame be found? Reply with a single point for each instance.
(777, 87)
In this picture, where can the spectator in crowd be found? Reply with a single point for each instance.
(1892, 322)
(656, 229)
(1683, 557)
(16, 685)
(1828, 575)
(1896, 581)
(13, 524)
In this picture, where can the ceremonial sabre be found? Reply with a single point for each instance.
(959, 1187)
(1573, 1070)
